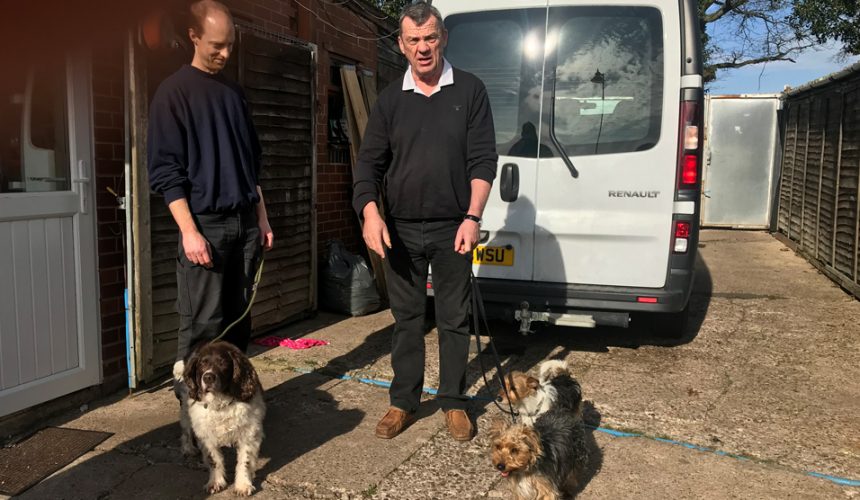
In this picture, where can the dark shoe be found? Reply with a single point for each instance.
(459, 425)
(393, 423)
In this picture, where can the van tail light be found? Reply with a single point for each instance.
(690, 145)
(682, 236)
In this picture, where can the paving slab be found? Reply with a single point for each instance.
(93, 475)
(154, 414)
(165, 481)
(331, 440)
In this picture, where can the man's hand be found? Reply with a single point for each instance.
(267, 237)
(375, 232)
(195, 244)
(197, 248)
(467, 236)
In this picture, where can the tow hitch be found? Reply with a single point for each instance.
(582, 319)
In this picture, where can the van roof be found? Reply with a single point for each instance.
(691, 42)
(478, 5)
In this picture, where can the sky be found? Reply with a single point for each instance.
(772, 77)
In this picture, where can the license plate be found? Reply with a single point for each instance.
(493, 256)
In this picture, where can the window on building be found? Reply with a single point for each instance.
(34, 129)
(337, 124)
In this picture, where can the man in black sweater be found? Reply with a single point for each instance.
(430, 146)
(204, 157)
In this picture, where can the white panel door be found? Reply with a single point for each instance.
(738, 180)
(49, 326)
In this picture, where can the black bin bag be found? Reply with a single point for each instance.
(346, 283)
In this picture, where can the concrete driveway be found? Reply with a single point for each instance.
(760, 400)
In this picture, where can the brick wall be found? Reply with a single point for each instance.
(108, 131)
(326, 25)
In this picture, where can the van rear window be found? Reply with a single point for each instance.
(609, 67)
(499, 68)
(504, 50)
(609, 78)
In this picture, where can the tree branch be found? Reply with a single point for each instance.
(725, 8)
(779, 56)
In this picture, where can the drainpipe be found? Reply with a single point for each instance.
(128, 76)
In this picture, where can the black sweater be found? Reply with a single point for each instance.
(201, 143)
(426, 150)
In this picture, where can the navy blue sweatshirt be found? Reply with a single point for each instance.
(201, 143)
(425, 151)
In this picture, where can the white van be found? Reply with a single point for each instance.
(598, 116)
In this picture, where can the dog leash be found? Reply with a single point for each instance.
(250, 302)
(479, 315)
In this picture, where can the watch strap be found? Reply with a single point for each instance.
(472, 218)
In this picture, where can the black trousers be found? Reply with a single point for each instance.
(415, 244)
(211, 299)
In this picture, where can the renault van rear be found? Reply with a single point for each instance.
(598, 117)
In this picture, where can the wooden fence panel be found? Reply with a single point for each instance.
(819, 197)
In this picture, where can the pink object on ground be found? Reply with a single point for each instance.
(273, 341)
(301, 343)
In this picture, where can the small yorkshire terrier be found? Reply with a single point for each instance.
(541, 462)
(554, 387)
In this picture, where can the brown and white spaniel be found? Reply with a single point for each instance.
(222, 401)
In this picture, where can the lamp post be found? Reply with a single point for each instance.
(600, 78)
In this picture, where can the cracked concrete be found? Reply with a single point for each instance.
(769, 372)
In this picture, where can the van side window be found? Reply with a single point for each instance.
(609, 78)
(505, 50)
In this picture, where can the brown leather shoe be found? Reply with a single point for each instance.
(393, 423)
(459, 425)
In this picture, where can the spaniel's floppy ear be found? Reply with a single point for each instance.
(189, 376)
(245, 382)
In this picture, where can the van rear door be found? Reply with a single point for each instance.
(504, 48)
(612, 106)
(601, 86)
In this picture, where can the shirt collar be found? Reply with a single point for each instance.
(447, 78)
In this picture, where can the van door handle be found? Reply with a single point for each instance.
(484, 236)
(509, 182)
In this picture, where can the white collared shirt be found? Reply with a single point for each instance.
(447, 78)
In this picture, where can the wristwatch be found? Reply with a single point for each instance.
(473, 218)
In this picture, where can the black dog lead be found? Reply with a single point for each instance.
(479, 314)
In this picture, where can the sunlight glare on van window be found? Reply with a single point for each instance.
(531, 45)
(551, 42)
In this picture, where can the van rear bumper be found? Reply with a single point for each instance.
(561, 296)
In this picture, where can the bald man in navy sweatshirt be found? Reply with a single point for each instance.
(204, 157)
